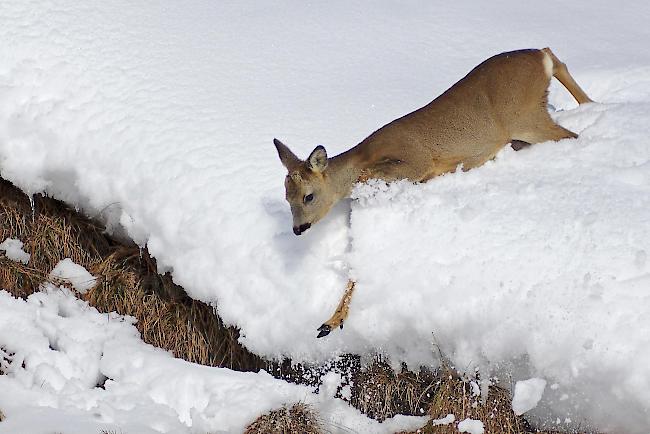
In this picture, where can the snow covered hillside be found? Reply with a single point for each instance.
(161, 119)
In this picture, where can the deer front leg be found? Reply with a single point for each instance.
(340, 314)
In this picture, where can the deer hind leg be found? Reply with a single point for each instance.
(548, 132)
(560, 71)
(539, 128)
(341, 313)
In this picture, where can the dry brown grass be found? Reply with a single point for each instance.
(381, 393)
(127, 280)
(167, 317)
(300, 418)
(455, 396)
(50, 232)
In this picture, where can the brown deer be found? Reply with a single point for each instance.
(503, 100)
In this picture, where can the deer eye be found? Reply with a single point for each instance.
(308, 198)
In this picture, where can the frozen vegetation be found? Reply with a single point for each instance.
(160, 121)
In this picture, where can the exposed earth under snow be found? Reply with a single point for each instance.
(160, 120)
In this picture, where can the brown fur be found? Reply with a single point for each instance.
(501, 100)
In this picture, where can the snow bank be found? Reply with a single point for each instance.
(14, 250)
(160, 120)
(72, 369)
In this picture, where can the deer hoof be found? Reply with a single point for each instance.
(324, 330)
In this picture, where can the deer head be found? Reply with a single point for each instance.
(308, 187)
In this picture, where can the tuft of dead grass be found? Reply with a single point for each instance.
(455, 396)
(2, 416)
(379, 392)
(300, 418)
(50, 232)
(127, 280)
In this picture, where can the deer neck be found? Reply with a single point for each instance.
(343, 171)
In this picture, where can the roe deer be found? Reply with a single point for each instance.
(503, 100)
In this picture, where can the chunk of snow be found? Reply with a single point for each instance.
(75, 274)
(397, 423)
(450, 418)
(527, 394)
(471, 426)
(14, 250)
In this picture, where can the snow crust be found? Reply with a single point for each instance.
(72, 369)
(14, 250)
(75, 274)
(160, 120)
(527, 394)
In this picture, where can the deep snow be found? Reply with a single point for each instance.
(160, 120)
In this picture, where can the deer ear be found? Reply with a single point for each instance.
(318, 159)
(288, 158)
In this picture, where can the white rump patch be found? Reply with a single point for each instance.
(548, 64)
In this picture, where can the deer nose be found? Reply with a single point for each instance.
(302, 228)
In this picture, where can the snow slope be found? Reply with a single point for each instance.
(160, 120)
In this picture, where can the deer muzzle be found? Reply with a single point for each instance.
(302, 228)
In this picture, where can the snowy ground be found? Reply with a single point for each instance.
(160, 120)
(57, 350)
